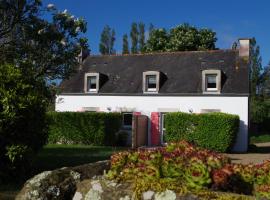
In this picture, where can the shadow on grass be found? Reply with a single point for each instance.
(253, 148)
(57, 156)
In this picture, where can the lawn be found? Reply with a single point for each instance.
(57, 156)
(260, 138)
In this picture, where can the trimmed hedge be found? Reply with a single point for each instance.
(215, 131)
(83, 127)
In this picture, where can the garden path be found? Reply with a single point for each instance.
(256, 155)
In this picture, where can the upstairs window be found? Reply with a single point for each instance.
(151, 81)
(211, 81)
(91, 82)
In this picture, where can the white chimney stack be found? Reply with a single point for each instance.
(244, 47)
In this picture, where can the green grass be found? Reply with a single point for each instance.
(260, 138)
(57, 156)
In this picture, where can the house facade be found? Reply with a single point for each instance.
(158, 83)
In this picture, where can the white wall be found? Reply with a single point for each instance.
(148, 104)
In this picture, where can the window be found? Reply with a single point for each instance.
(211, 81)
(163, 130)
(151, 81)
(127, 120)
(91, 82)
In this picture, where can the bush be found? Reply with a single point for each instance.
(215, 131)
(83, 127)
(23, 128)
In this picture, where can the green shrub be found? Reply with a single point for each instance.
(23, 127)
(83, 127)
(215, 131)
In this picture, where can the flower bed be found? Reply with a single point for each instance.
(185, 168)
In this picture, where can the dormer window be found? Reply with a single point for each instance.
(211, 81)
(91, 82)
(151, 81)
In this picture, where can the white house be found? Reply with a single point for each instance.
(157, 83)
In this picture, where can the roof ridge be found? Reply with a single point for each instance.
(166, 52)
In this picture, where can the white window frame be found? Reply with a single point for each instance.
(86, 85)
(210, 72)
(145, 81)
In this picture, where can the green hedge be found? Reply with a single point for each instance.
(215, 131)
(83, 127)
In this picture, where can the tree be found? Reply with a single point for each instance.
(125, 49)
(255, 68)
(151, 28)
(141, 37)
(50, 45)
(157, 41)
(134, 35)
(188, 38)
(23, 129)
(34, 51)
(107, 39)
(181, 38)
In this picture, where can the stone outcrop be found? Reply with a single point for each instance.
(60, 184)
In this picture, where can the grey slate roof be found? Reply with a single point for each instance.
(182, 72)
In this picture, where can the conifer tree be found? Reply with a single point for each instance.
(125, 49)
(134, 35)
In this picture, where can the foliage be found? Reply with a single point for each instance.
(23, 128)
(83, 127)
(134, 35)
(125, 48)
(157, 41)
(255, 67)
(181, 38)
(49, 45)
(37, 45)
(107, 39)
(184, 168)
(215, 131)
(259, 110)
(141, 37)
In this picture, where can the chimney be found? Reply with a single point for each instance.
(244, 47)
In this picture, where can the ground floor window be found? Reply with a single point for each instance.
(127, 120)
(162, 128)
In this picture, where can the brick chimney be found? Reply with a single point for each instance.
(244, 47)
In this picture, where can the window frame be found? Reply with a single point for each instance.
(211, 72)
(86, 85)
(147, 74)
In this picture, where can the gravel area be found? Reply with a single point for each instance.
(255, 156)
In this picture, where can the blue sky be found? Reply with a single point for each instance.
(230, 19)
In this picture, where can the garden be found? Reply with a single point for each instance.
(186, 169)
